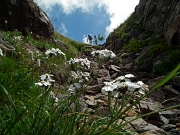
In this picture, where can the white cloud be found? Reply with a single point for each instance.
(118, 10)
(69, 5)
(63, 29)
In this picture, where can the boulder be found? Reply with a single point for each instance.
(26, 17)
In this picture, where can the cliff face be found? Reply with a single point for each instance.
(25, 16)
(157, 17)
(151, 35)
(163, 16)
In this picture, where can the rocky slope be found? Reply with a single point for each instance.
(151, 34)
(160, 17)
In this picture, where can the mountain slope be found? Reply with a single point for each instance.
(152, 34)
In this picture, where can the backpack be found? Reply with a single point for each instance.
(90, 38)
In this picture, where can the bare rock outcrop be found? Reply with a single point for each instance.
(25, 16)
(160, 17)
(163, 16)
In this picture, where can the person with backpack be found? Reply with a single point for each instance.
(90, 39)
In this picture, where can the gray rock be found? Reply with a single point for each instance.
(169, 114)
(101, 73)
(169, 89)
(144, 128)
(164, 119)
(168, 127)
(154, 132)
(6, 46)
(115, 68)
(129, 67)
(94, 89)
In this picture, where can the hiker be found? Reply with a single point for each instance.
(95, 40)
(90, 39)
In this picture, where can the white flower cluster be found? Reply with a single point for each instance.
(103, 54)
(54, 96)
(54, 51)
(82, 62)
(73, 87)
(1, 52)
(17, 38)
(80, 77)
(124, 83)
(35, 55)
(46, 80)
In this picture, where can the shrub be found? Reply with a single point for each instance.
(156, 49)
(161, 67)
(174, 55)
(134, 45)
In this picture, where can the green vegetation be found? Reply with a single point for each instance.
(98, 38)
(26, 108)
(134, 45)
(158, 57)
(125, 28)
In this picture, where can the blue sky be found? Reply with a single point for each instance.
(76, 19)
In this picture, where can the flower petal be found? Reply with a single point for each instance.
(129, 75)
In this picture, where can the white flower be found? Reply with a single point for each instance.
(120, 78)
(38, 62)
(17, 38)
(140, 83)
(115, 94)
(71, 88)
(52, 94)
(48, 52)
(77, 85)
(56, 100)
(38, 53)
(132, 86)
(31, 53)
(82, 76)
(74, 87)
(39, 83)
(46, 80)
(103, 53)
(141, 92)
(122, 85)
(81, 62)
(129, 76)
(55, 51)
(1, 52)
(108, 87)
